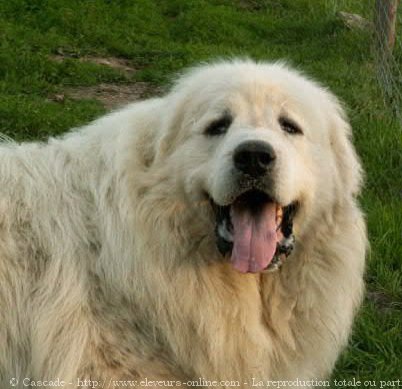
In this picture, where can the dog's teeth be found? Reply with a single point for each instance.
(275, 264)
(289, 241)
(286, 245)
(279, 215)
(224, 232)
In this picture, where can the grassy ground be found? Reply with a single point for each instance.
(160, 37)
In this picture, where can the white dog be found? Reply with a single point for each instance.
(211, 234)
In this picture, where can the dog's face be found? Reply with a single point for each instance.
(261, 144)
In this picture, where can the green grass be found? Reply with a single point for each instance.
(161, 37)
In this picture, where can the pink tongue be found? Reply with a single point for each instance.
(254, 238)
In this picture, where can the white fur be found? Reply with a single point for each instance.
(108, 265)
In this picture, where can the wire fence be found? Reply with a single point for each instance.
(388, 52)
(384, 19)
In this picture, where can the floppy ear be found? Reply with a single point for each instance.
(171, 134)
(348, 164)
(141, 144)
(148, 133)
(146, 148)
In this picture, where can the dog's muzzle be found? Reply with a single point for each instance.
(253, 228)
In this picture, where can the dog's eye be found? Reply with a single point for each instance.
(219, 126)
(289, 126)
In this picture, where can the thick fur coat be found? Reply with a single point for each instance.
(108, 264)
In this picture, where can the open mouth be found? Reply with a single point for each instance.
(256, 231)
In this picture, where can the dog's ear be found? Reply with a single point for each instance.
(146, 148)
(348, 164)
(148, 133)
(171, 132)
(144, 139)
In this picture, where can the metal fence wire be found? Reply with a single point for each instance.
(384, 19)
(388, 52)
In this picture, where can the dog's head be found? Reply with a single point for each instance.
(269, 150)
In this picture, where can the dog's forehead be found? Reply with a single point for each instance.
(262, 93)
(259, 103)
(255, 94)
(258, 100)
(249, 100)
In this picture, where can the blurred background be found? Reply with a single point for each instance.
(66, 62)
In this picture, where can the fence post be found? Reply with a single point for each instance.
(385, 29)
(385, 24)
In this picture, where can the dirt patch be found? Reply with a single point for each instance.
(121, 64)
(110, 95)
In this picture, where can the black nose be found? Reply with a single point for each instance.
(254, 157)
